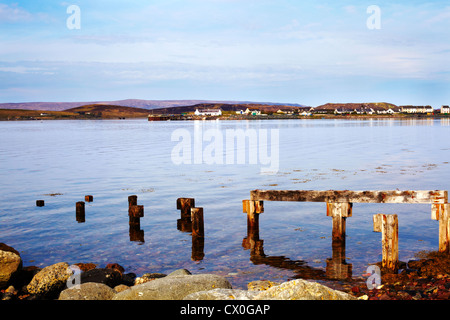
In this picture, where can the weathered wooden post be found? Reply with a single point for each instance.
(132, 201)
(136, 211)
(79, 211)
(197, 222)
(88, 198)
(440, 212)
(185, 205)
(40, 203)
(184, 224)
(387, 224)
(253, 208)
(339, 211)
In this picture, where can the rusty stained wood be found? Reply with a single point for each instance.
(185, 205)
(387, 224)
(339, 212)
(197, 222)
(371, 196)
(253, 209)
(440, 212)
(136, 211)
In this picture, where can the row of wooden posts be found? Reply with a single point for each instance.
(339, 206)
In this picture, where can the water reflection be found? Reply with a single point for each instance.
(135, 231)
(336, 269)
(184, 224)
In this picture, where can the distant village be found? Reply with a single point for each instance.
(372, 109)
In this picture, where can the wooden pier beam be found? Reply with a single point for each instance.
(89, 198)
(440, 212)
(387, 224)
(339, 211)
(349, 196)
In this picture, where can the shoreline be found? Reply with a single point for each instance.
(235, 118)
(427, 278)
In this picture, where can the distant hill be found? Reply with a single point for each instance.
(135, 103)
(109, 111)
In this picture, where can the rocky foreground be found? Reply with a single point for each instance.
(86, 282)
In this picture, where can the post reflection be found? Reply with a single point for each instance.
(336, 268)
(192, 222)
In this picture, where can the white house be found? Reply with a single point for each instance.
(208, 112)
(417, 109)
(253, 112)
(445, 109)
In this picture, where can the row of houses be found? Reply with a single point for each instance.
(339, 110)
(392, 110)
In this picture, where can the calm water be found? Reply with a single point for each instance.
(62, 161)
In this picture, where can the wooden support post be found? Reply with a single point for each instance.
(132, 200)
(339, 211)
(185, 205)
(253, 209)
(136, 211)
(40, 203)
(88, 198)
(440, 212)
(197, 222)
(387, 224)
(79, 211)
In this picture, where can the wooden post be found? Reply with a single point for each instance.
(339, 211)
(197, 222)
(440, 212)
(40, 203)
(88, 198)
(253, 209)
(185, 205)
(387, 224)
(132, 200)
(136, 211)
(79, 211)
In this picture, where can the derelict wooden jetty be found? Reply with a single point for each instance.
(339, 205)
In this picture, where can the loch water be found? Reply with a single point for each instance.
(62, 161)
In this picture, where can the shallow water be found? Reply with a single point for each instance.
(62, 161)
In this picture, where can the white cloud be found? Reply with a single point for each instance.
(13, 13)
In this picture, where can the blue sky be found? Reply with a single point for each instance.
(307, 52)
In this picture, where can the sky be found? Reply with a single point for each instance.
(287, 51)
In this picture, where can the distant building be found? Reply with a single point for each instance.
(253, 112)
(445, 109)
(287, 111)
(208, 112)
(417, 109)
